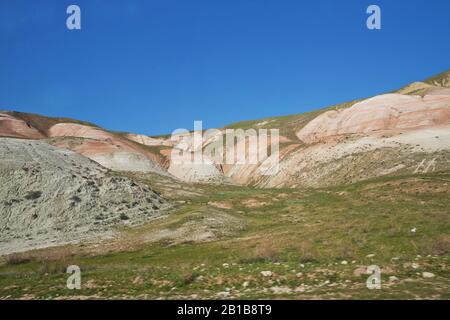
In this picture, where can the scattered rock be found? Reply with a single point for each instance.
(138, 281)
(281, 290)
(393, 279)
(360, 271)
(254, 203)
(223, 294)
(300, 289)
(427, 275)
(220, 204)
(266, 273)
(324, 283)
(387, 270)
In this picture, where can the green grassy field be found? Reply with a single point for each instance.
(317, 244)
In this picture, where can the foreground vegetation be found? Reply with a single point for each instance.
(241, 243)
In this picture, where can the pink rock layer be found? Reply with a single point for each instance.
(12, 127)
(385, 112)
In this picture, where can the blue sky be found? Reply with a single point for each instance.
(153, 66)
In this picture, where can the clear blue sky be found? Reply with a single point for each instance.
(153, 66)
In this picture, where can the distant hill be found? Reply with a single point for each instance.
(390, 134)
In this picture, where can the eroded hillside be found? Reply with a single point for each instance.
(398, 133)
(51, 196)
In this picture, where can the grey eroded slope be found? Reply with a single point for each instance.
(51, 196)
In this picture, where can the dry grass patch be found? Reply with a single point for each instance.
(221, 204)
(254, 203)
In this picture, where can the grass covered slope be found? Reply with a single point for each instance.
(316, 243)
(312, 240)
(441, 80)
(290, 124)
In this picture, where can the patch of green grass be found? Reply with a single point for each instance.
(301, 235)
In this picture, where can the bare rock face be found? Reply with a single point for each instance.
(384, 135)
(148, 141)
(387, 134)
(205, 172)
(112, 156)
(385, 112)
(78, 130)
(396, 133)
(344, 161)
(51, 196)
(12, 127)
(113, 151)
(108, 149)
(183, 164)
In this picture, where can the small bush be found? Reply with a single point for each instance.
(264, 252)
(252, 260)
(439, 246)
(53, 267)
(308, 253)
(75, 199)
(123, 216)
(33, 195)
(17, 258)
(187, 277)
(442, 245)
(267, 251)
